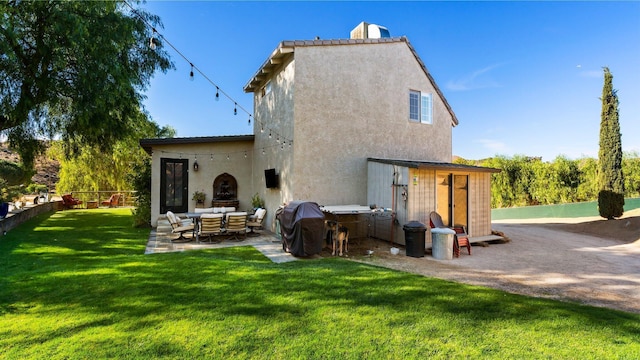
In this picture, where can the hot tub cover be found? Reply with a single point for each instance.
(302, 228)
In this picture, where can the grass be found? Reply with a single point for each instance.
(76, 285)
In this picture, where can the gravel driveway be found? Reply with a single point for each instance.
(542, 262)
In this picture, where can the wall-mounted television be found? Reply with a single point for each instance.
(271, 178)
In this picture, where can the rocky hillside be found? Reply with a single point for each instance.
(46, 169)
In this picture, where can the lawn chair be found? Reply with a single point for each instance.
(255, 221)
(113, 201)
(461, 239)
(236, 223)
(69, 202)
(210, 224)
(179, 226)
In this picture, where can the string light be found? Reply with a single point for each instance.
(154, 42)
(227, 155)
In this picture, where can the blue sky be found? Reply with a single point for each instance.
(524, 78)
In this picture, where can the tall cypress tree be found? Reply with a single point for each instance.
(610, 180)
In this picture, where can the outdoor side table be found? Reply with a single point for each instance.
(92, 204)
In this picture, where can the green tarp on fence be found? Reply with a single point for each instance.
(557, 211)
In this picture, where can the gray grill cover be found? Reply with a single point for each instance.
(302, 228)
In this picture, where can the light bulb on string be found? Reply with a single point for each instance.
(211, 157)
(228, 157)
(263, 152)
(245, 154)
(269, 134)
(191, 77)
(249, 121)
(278, 139)
(235, 108)
(217, 93)
(152, 43)
(261, 128)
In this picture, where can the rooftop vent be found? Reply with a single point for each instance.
(369, 31)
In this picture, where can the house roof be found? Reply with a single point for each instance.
(285, 51)
(148, 144)
(435, 165)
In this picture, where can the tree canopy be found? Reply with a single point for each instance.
(74, 71)
(93, 170)
(526, 180)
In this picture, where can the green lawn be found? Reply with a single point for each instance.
(76, 285)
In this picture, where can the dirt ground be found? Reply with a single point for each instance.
(587, 260)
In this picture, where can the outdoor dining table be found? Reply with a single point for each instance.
(195, 217)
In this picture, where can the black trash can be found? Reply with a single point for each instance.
(414, 233)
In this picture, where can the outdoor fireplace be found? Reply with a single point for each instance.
(225, 191)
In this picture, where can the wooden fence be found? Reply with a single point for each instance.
(95, 198)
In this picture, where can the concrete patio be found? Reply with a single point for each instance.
(267, 243)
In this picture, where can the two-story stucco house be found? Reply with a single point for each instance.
(348, 121)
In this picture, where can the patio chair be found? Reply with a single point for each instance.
(179, 226)
(461, 239)
(255, 221)
(236, 223)
(113, 201)
(69, 202)
(210, 225)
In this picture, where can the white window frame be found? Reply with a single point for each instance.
(420, 107)
(266, 89)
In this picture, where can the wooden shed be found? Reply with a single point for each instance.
(411, 190)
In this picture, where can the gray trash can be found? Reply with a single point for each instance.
(414, 238)
(442, 240)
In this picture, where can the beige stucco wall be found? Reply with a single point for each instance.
(352, 102)
(212, 161)
(274, 116)
(340, 105)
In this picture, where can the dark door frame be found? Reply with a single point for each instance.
(174, 185)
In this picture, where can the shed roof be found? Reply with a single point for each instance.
(285, 51)
(416, 164)
(147, 144)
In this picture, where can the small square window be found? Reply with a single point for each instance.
(266, 89)
(420, 107)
